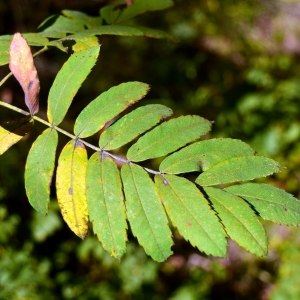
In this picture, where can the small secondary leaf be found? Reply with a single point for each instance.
(87, 20)
(22, 66)
(107, 106)
(141, 6)
(109, 14)
(63, 25)
(270, 202)
(238, 169)
(145, 213)
(204, 155)
(239, 220)
(190, 213)
(105, 204)
(71, 187)
(168, 137)
(68, 81)
(126, 129)
(11, 132)
(39, 170)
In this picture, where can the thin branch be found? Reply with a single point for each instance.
(74, 137)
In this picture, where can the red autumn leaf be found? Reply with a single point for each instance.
(22, 66)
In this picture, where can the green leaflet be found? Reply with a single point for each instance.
(87, 20)
(141, 6)
(68, 81)
(64, 25)
(239, 220)
(168, 137)
(58, 45)
(39, 170)
(109, 14)
(105, 204)
(107, 106)
(71, 187)
(122, 30)
(204, 155)
(271, 203)
(145, 213)
(132, 125)
(238, 169)
(11, 132)
(190, 212)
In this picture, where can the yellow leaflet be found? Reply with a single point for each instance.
(85, 42)
(13, 131)
(71, 187)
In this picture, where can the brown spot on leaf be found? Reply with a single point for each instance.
(189, 223)
(70, 191)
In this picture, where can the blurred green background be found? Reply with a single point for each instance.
(236, 63)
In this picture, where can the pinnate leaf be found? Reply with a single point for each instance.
(168, 137)
(39, 170)
(239, 220)
(126, 129)
(270, 202)
(22, 66)
(71, 187)
(105, 204)
(190, 212)
(238, 169)
(204, 155)
(107, 106)
(145, 213)
(11, 132)
(68, 81)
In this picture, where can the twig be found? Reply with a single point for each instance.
(74, 137)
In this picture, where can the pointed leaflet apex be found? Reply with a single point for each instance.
(22, 66)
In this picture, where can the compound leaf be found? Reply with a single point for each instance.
(126, 129)
(11, 132)
(145, 213)
(270, 202)
(239, 220)
(106, 204)
(71, 187)
(190, 212)
(68, 81)
(238, 169)
(107, 106)
(204, 155)
(39, 170)
(168, 137)
(22, 66)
